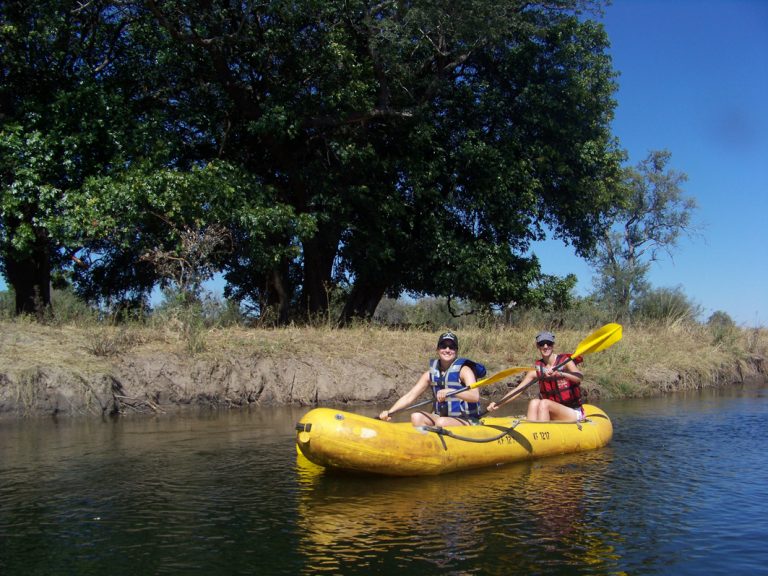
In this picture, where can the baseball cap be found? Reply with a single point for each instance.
(545, 337)
(448, 336)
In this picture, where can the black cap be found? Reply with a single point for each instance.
(448, 336)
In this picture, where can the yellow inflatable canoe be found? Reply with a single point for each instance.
(342, 440)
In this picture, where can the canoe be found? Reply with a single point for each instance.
(342, 440)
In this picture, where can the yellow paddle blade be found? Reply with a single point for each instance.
(601, 339)
(500, 376)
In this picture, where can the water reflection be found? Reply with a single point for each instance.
(455, 522)
(681, 489)
(164, 495)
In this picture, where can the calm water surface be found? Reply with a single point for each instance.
(682, 489)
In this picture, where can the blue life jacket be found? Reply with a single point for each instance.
(454, 406)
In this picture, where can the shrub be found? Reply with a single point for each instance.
(723, 328)
(665, 306)
(7, 304)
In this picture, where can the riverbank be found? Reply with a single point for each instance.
(71, 370)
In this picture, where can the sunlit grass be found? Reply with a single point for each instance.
(648, 360)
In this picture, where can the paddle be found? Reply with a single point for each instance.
(600, 339)
(484, 382)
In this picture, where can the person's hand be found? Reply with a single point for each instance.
(385, 416)
(492, 407)
(441, 394)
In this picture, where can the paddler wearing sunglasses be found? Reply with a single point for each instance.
(447, 373)
(559, 385)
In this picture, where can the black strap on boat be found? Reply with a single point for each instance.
(440, 431)
(505, 431)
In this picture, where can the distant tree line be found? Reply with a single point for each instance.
(320, 155)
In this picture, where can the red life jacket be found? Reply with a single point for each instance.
(561, 390)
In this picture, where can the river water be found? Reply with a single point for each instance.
(682, 489)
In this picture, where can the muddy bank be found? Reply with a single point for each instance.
(163, 382)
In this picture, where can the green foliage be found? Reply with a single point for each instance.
(582, 313)
(179, 228)
(7, 304)
(651, 218)
(665, 306)
(222, 313)
(65, 117)
(723, 328)
(424, 141)
(338, 151)
(429, 313)
(67, 308)
(553, 293)
(720, 319)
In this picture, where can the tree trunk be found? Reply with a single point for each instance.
(30, 277)
(278, 296)
(362, 301)
(319, 253)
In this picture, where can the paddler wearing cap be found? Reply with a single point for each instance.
(559, 385)
(447, 373)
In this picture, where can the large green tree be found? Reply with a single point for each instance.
(375, 146)
(101, 166)
(428, 142)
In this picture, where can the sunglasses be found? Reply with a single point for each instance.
(542, 344)
(447, 344)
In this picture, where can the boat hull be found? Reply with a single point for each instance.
(342, 440)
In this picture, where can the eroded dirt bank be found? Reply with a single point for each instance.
(164, 382)
(70, 370)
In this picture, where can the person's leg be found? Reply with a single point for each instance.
(544, 414)
(422, 419)
(560, 412)
(533, 409)
(451, 421)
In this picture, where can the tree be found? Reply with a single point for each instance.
(723, 328)
(367, 148)
(650, 221)
(150, 225)
(59, 114)
(427, 142)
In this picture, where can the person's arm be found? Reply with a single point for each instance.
(570, 372)
(409, 397)
(467, 377)
(530, 375)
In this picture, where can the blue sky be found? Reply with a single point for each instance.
(694, 81)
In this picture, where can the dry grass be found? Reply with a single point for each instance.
(648, 360)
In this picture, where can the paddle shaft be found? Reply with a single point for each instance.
(531, 383)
